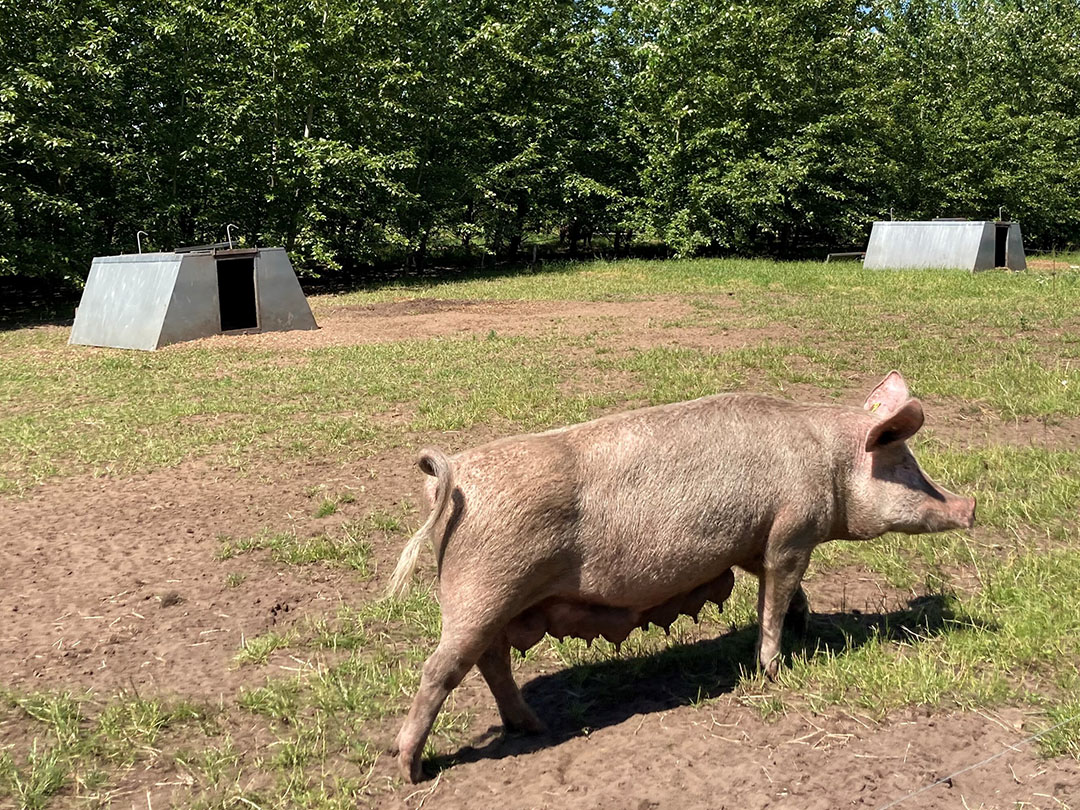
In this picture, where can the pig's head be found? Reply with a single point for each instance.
(888, 492)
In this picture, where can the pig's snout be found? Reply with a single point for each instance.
(958, 512)
(946, 511)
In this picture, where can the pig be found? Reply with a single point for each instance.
(631, 519)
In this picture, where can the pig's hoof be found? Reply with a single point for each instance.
(772, 669)
(527, 724)
(410, 768)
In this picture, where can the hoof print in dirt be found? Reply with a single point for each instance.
(276, 610)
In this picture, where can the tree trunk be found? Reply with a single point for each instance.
(517, 228)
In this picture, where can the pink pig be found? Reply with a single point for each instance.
(598, 528)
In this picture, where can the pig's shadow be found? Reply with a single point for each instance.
(587, 697)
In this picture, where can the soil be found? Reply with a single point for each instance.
(1051, 264)
(116, 585)
(727, 757)
(665, 321)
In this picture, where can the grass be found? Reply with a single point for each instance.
(989, 647)
(329, 506)
(975, 620)
(104, 413)
(234, 579)
(367, 665)
(33, 785)
(257, 650)
(67, 411)
(349, 547)
(77, 746)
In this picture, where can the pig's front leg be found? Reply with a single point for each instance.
(781, 573)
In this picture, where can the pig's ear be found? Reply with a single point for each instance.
(889, 396)
(896, 427)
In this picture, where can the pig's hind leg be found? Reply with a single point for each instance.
(459, 648)
(494, 665)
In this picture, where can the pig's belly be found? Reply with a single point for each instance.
(641, 570)
(568, 616)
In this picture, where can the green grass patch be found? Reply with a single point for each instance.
(365, 666)
(33, 782)
(349, 547)
(234, 579)
(258, 649)
(76, 746)
(1061, 727)
(66, 412)
(329, 506)
(981, 649)
(1004, 341)
(1024, 379)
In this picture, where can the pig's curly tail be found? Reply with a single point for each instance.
(436, 464)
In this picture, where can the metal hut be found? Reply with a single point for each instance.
(148, 300)
(945, 243)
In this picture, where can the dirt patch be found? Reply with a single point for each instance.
(963, 424)
(725, 756)
(116, 583)
(1051, 264)
(854, 590)
(428, 318)
(415, 306)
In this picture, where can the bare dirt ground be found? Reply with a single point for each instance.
(727, 757)
(1052, 263)
(116, 585)
(651, 323)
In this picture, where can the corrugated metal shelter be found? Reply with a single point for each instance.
(945, 243)
(148, 300)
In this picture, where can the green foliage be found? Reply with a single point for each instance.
(1023, 623)
(345, 132)
(776, 125)
(389, 130)
(74, 745)
(157, 409)
(351, 548)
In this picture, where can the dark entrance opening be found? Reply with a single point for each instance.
(236, 293)
(1001, 240)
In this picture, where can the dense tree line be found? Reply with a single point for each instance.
(364, 131)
